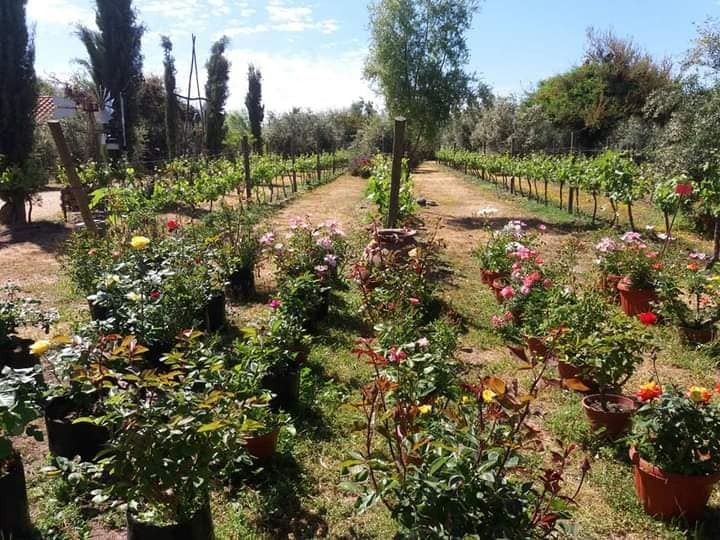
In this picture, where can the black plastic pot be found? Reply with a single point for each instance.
(285, 384)
(16, 354)
(215, 313)
(198, 527)
(68, 440)
(14, 515)
(98, 312)
(242, 284)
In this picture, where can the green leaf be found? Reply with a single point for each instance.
(212, 426)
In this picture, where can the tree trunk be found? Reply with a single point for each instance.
(12, 213)
(630, 217)
(716, 241)
(595, 205)
(562, 187)
(546, 192)
(571, 200)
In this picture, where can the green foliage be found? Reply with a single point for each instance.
(678, 432)
(417, 55)
(216, 92)
(16, 311)
(171, 103)
(255, 108)
(19, 405)
(378, 188)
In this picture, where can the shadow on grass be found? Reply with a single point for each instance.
(282, 485)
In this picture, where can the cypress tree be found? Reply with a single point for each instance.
(216, 93)
(255, 108)
(18, 97)
(115, 63)
(171, 102)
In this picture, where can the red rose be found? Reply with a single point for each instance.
(684, 189)
(648, 318)
(414, 301)
(155, 295)
(172, 225)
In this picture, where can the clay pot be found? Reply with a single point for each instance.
(697, 336)
(263, 447)
(487, 277)
(612, 423)
(395, 239)
(14, 515)
(670, 496)
(68, 440)
(635, 301)
(197, 527)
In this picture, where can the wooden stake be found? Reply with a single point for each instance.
(246, 161)
(398, 151)
(75, 184)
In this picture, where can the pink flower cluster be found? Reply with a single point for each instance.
(607, 245)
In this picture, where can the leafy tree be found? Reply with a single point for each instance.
(115, 64)
(301, 132)
(152, 109)
(216, 93)
(236, 126)
(417, 57)
(612, 85)
(496, 126)
(18, 94)
(171, 101)
(255, 108)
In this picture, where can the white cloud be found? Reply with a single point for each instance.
(58, 12)
(319, 82)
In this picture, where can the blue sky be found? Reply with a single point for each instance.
(311, 52)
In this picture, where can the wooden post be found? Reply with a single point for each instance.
(246, 162)
(398, 151)
(317, 165)
(75, 184)
(294, 173)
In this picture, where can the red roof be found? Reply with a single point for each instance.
(44, 109)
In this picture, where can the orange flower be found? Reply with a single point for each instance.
(649, 391)
(657, 266)
(693, 266)
(699, 394)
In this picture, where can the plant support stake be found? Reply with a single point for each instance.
(398, 151)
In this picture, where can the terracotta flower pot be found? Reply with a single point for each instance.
(670, 496)
(488, 276)
(697, 336)
(263, 447)
(614, 422)
(635, 301)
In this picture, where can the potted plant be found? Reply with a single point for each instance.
(239, 247)
(608, 358)
(675, 450)
(264, 427)
(609, 260)
(691, 302)
(495, 255)
(277, 348)
(15, 311)
(173, 435)
(18, 408)
(84, 369)
(641, 267)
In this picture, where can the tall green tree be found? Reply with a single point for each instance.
(18, 95)
(115, 63)
(171, 101)
(417, 60)
(216, 93)
(255, 108)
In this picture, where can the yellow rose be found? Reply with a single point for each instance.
(424, 409)
(699, 394)
(488, 395)
(40, 347)
(467, 399)
(140, 242)
(133, 296)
